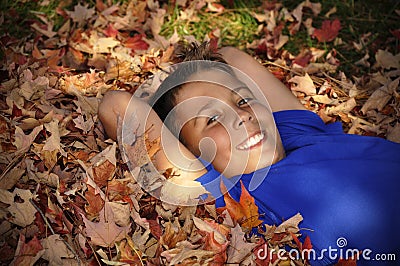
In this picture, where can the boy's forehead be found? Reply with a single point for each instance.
(216, 76)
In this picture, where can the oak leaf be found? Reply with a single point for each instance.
(136, 43)
(23, 142)
(81, 13)
(22, 211)
(303, 84)
(239, 248)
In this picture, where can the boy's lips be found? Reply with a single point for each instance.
(252, 141)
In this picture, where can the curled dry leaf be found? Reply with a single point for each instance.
(381, 96)
(303, 84)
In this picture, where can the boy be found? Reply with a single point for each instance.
(343, 185)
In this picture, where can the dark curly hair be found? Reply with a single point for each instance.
(164, 100)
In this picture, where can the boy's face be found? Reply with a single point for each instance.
(226, 125)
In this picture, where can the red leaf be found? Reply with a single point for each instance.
(347, 262)
(111, 31)
(328, 31)
(303, 59)
(245, 212)
(16, 112)
(27, 251)
(396, 33)
(136, 43)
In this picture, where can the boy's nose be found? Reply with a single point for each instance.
(243, 117)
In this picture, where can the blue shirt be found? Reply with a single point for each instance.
(344, 186)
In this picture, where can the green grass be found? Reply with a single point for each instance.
(21, 13)
(237, 26)
(357, 18)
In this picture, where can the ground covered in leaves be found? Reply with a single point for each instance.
(66, 193)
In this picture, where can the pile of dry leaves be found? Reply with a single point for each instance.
(67, 195)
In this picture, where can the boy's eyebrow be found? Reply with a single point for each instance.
(208, 105)
(241, 87)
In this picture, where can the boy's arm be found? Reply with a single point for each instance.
(116, 104)
(278, 95)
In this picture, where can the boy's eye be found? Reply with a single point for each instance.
(212, 119)
(244, 101)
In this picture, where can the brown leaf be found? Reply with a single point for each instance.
(95, 202)
(105, 233)
(81, 14)
(172, 235)
(22, 212)
(57, 252)
(239, 248)
(103, 173)
(380, 97)
(303, 84)
(387, 60)
(291, 225)
(23, 142)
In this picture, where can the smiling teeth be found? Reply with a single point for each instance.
(251, 141)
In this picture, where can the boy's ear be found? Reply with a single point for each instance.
(148, 88)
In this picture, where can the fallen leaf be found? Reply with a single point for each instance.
(238, 248)
(56, 251)
(27, 253)
(303, 84)
(290, 225)
(344, 107)
(23, 142)
(81, 14)
(22, 213)
(105, 233)
(136, 43)
(244, 212)
(328, 31)
(94, 202)
(210, 227)
(380, 97)
(387, 60)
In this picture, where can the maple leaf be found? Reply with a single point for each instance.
(245, 212)
(328, 31)
(57, 252)
(105, 233)
(95, 202)
(103, 173)
(27, 253)
(136, 43)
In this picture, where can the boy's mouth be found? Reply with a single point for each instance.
(252, 141)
